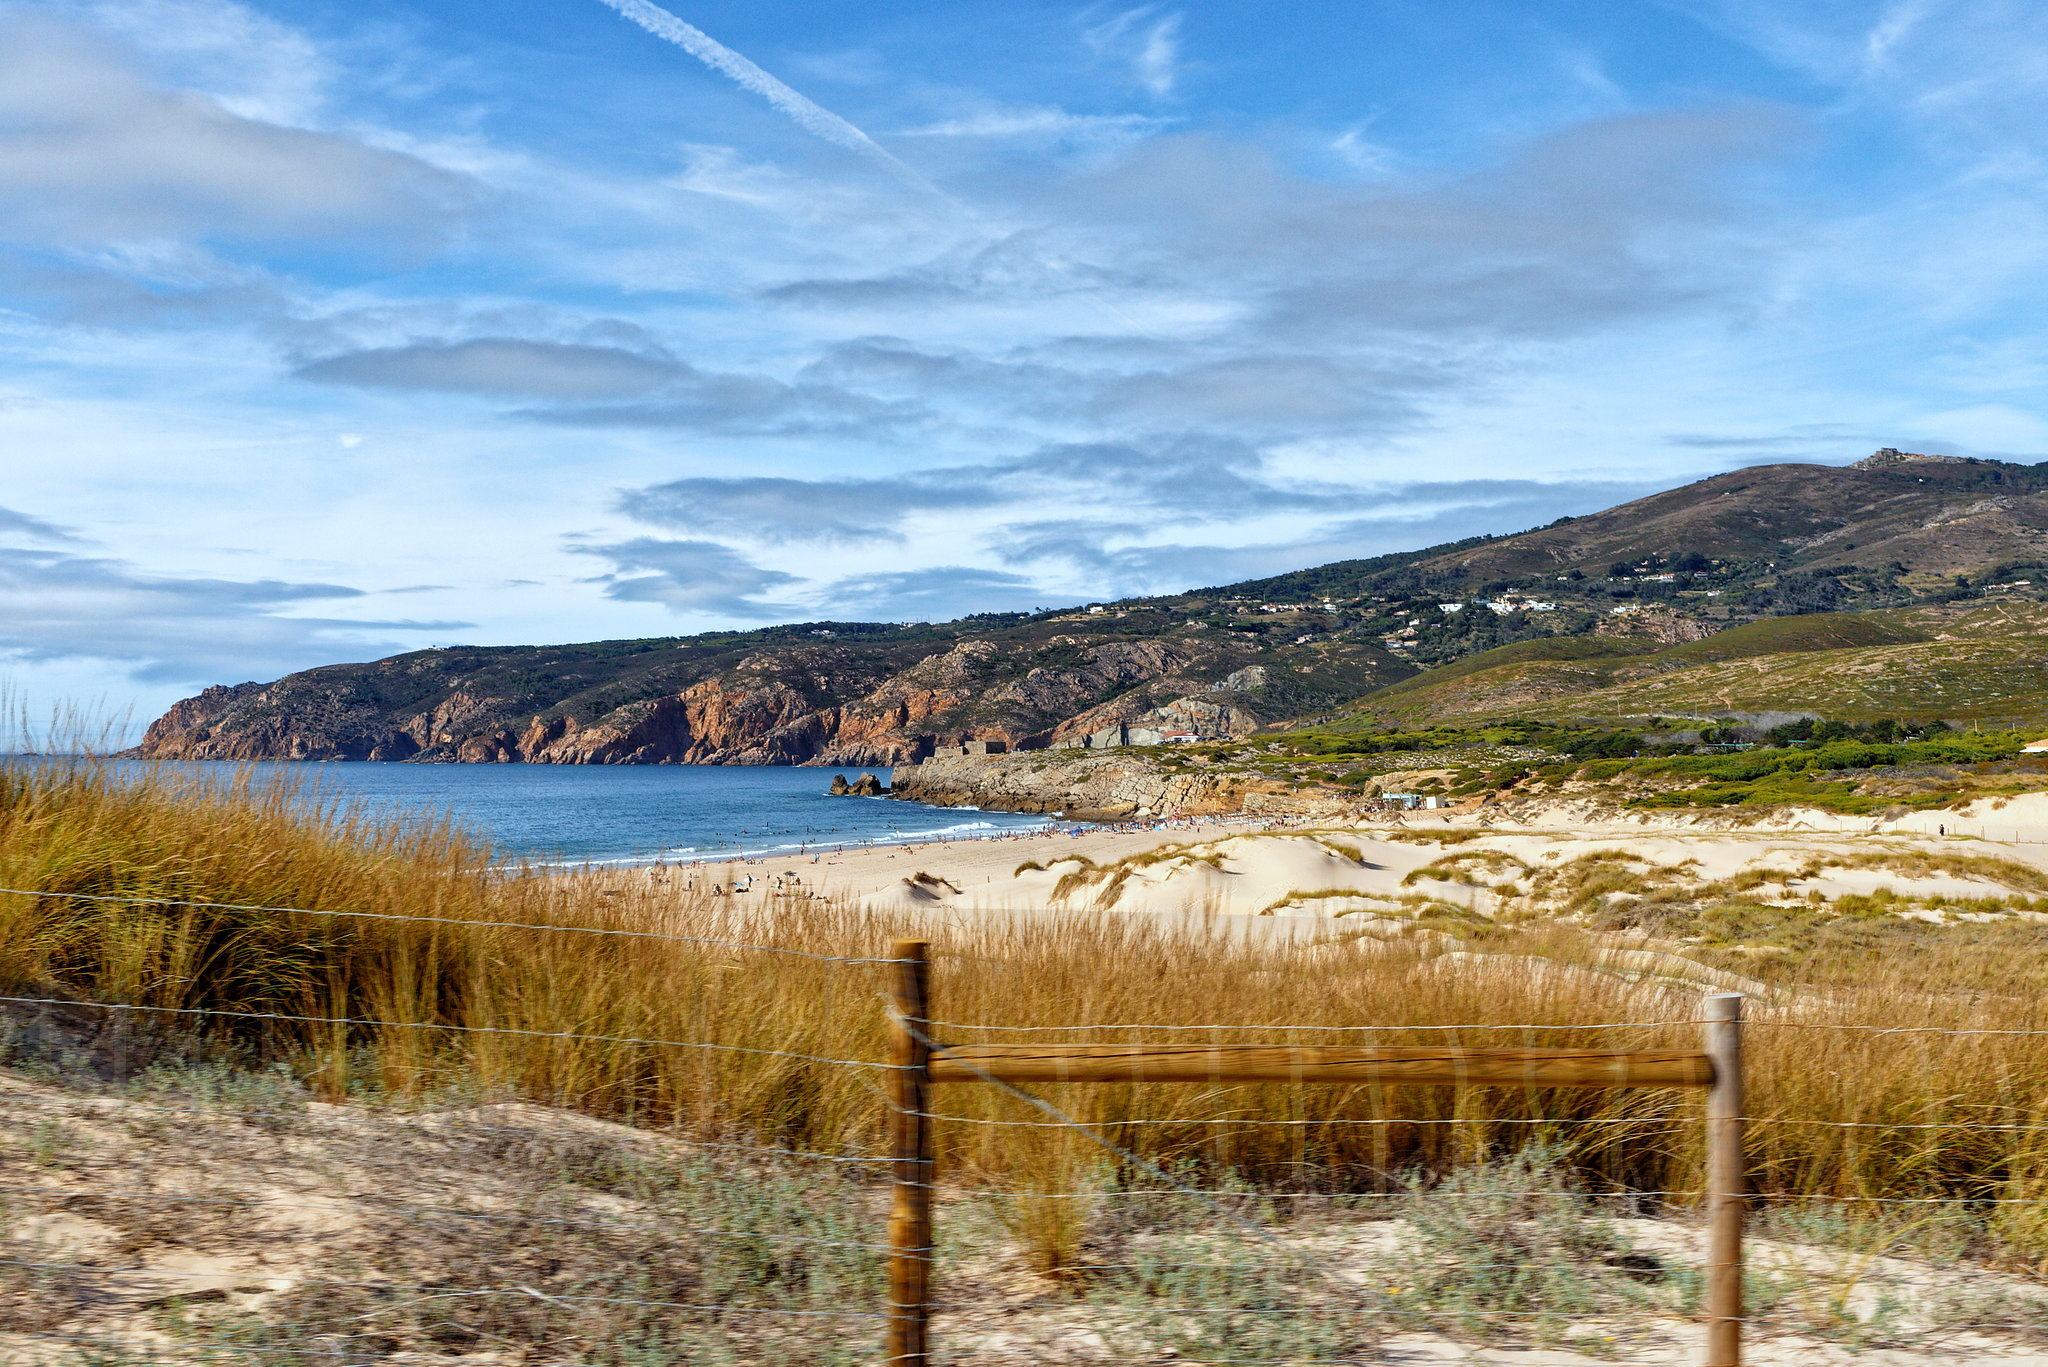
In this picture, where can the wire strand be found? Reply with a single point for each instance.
(1885, 1029)
(1984, 1127)
(1254, 1120)
(1037, 1029)
(449, 921)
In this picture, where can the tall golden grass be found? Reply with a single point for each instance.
(1839, 1111)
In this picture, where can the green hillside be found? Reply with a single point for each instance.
(1947, 663)
(1798, 635)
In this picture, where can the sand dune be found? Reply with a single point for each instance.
(1479, 861)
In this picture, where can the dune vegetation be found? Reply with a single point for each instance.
(486, 982)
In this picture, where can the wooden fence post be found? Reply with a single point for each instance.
(1725, 1185)
(910, 1134)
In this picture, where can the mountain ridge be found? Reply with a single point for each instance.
(1893, 530)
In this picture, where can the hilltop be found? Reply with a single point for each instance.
(1892, 526)
(1642, 606)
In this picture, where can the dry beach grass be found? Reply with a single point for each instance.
(503, 998)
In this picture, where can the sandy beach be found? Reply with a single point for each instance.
(1303, 869)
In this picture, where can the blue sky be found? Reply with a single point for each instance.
(328, 331)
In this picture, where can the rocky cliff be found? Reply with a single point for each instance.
(766, 698)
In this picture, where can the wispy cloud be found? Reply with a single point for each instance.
(782, 510)
(1892, 28)
(35, 528)
(1361, 152)
(938, 594)
(807, 114)
(1039, 121)
(254, 65)
(1159, 59)
(56, 605)
(503, 367)
(1113, 560)
(587, 385)
(1147, 39)
(688, 577)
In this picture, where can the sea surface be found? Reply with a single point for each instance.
(633, 813)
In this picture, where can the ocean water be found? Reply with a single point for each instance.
(635, 813)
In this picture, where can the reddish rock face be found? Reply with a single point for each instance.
(791, 704)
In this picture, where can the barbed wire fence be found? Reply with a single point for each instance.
(1234, 1285)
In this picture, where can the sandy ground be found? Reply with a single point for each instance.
(131, 1225)
(1269, 868)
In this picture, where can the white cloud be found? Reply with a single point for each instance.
(91, 154)
(1891, 29)
(254, 66)
(58, 605)
(1158, 61)
(1039, 122)
(1148, 40)
(689, 576)
(1361, 152)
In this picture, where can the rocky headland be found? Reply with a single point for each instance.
(1104, 785)
(883, 703)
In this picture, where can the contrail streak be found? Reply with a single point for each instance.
(811, 117)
